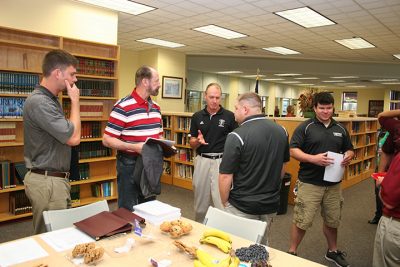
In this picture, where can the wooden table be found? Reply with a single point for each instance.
(160, 248)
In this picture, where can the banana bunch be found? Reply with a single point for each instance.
(217, 238)
(206, 260)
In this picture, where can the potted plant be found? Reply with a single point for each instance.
(306, 103)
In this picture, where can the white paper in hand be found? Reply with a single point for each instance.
(335, 171)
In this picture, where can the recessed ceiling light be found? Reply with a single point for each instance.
(356, 86)
(253, 76)
(273, 79)
(230, 72)
(355, 43)
(391, 83)
(160, 42)
(397, 56)
(305, 84)
(385, 80)
(220, 32)
(306, 78)
(344, 77)
(291, 82)
(281, 50)
(287, 74)
(125, 6)
(333, 81)
(306, 17)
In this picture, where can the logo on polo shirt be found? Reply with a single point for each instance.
(201, 122)
(337, 134)
(221, 123)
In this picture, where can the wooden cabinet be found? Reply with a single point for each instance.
(178, 170)
(363, 134)
(21, 55)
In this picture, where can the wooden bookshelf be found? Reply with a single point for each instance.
(21, 55)
(363, 133)
(178, 170)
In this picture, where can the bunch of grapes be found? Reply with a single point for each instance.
(256, 254)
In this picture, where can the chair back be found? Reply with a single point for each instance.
(249, 229)
(58, 219)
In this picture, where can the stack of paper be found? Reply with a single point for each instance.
(156, 212)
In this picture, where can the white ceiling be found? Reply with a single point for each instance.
(377, 21)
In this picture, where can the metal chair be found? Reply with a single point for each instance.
(58, 219)
(249, 229)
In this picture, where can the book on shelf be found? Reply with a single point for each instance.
(167, 145)
(8, 131)
(91, 109)
(19, 203)
(20, 171)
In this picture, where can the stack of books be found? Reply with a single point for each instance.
(156, 212)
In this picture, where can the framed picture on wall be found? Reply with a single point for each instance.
(172, 87)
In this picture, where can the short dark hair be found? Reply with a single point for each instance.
(323, 98)
(144, 72)
(57, 59)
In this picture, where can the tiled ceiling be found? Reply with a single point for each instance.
(377, 21)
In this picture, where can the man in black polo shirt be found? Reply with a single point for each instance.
(310, 143)
(253, 163)
(208, 130)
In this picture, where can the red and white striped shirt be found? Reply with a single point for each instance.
(134, 119)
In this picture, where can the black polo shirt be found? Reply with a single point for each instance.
(312, 137)
(214, 128)
(254, 153)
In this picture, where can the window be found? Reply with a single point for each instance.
(349, 101)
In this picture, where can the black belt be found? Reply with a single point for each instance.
(211, 157)
(50, 173)
(393, 218)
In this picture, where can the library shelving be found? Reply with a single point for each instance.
(363, 134)
(21, 55)
(178, 170)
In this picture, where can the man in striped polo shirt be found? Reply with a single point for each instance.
(133, 119)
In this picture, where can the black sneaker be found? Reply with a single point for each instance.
(337, 257)
(292, 253)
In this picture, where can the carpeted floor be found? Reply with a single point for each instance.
(356, 236)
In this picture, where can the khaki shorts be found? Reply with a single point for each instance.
(310, 197)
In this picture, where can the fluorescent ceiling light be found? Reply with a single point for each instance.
(160, 42)
(333, 81)
(306, 17)
(397, 56)
(125, 6)
(385, 80)
(230, 72)
(281, 50)
(356, 86)
(305, 84)
(344, 77)
(220, 32)
(287, 74)
(273, 79)
(355, 43)
(253, 76)
(306, 78)
(392, 83)
(291, 82)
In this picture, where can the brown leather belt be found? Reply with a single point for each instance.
(393, 218)
(50, 173)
